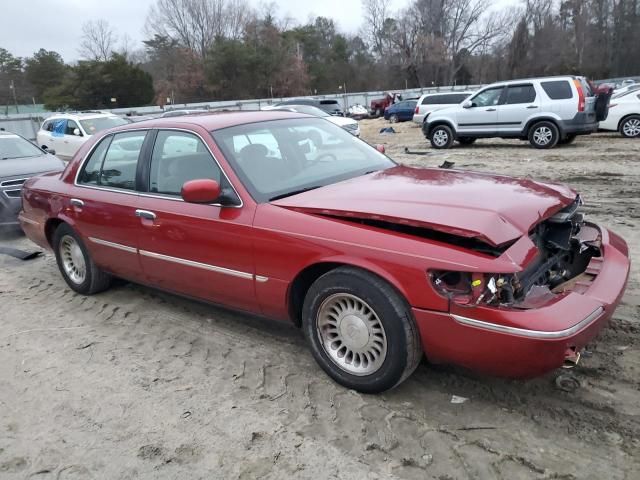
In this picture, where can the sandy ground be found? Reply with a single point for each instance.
(134, 383)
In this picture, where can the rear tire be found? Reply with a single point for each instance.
(76, 266)
(544, 135)
(466, 140)
(441, 137)
(630, 127)
(393, 118)
(360, 330)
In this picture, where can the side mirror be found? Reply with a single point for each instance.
(76, 132)
(381, 148)
(467, 104)
(200, 191)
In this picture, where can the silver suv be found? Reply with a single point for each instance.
(546, 111)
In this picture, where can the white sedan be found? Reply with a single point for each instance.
(349, 124)
(624, 114)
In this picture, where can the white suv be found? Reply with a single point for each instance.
(65, 133)
(430, 102)
(546, 111)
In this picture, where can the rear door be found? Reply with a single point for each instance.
(482, 117)
(520, 103)
(104, 200)
(200, 250)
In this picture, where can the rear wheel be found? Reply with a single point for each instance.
(441, 137)
(393, 118)
(544, 135)
(78, 270)
(466, 140)
(568, 139)
(360, 330)
(630, 126)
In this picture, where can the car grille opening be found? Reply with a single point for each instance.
(13, 183)
(13, 193)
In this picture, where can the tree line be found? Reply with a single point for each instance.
(203, 50)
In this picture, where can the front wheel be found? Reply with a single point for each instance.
(76, 266)
(441, 137)
(393, 118)
(544, 135)
(630, 127)
(361, 332)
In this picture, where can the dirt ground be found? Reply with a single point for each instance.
(134, 383)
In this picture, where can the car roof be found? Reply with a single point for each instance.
(80, 115)
(215, 120)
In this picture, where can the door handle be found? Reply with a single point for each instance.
(532, 106)
(76, 202)
(145, 214)
(491, 110)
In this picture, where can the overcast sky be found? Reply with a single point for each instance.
(28, 25)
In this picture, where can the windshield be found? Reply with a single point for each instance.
(14, 146)
(95, 125)
(307, 109)
(278, 158)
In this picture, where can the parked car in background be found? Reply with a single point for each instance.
(349, 124)
(401, 111)
(378, 263)
(379, 105)
(358, 112)
(430, 102)
(19, 160)
(546, 111)
(332, 107)
(624, 114)
(67, 132)
(181, 112)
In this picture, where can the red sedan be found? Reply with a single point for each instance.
(290, 217)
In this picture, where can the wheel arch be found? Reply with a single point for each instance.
(303, 280)
(437, 123)
(625, 117)
(52, 224)
(531, 122)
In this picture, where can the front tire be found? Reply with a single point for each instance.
(544, 135)
(76, 266)
(441, 137)
(394, 118)
(630, 127)
(360, 330)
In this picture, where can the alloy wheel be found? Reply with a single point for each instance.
(73, 259)
(351, 334)
(542, 135)
(631, 128)
(440, 137)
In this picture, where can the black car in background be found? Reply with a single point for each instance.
(19, 160)
(332, 107)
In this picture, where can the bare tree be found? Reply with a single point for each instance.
(376, 14)
(195, 24)
(98, 40)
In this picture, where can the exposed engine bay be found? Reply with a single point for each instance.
(568, 259)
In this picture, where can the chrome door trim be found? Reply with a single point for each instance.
(117, 246)
(204, 266)
(523, 332)
(147, 194)
(145, 214)
(76, 202)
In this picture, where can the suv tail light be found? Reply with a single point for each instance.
(417, 109)
(581, 101)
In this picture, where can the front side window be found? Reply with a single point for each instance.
(114, 161)
(487, 98)
(520, 94)
(179, 157)
(71, 126)
(278, 158)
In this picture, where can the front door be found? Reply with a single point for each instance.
(71, 141)
(200, 250)
(103, 204)
(482, 116)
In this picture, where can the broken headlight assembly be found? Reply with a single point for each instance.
(465, 288)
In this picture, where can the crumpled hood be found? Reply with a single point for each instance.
(28, 166)
(492, 208)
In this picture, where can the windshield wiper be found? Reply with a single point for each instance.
(294, 192)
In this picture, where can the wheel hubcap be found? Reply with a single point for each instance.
(632, 128)
(440, 137)
(542, 135)
(351, 334)
(72, 259)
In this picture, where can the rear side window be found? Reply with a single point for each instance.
(91, 171)
(179, 157)
(458, 98)
(520, 94)
(558, 89)
(328, 102)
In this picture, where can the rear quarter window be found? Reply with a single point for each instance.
(557, 89)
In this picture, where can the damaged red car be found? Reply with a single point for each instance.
(290, 217)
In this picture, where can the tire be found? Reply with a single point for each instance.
(568, 139)
(544, 135)
(394, 118)
(630, 126)
(346, 297)
(71, 253)
(441, 137)
(466, 140)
